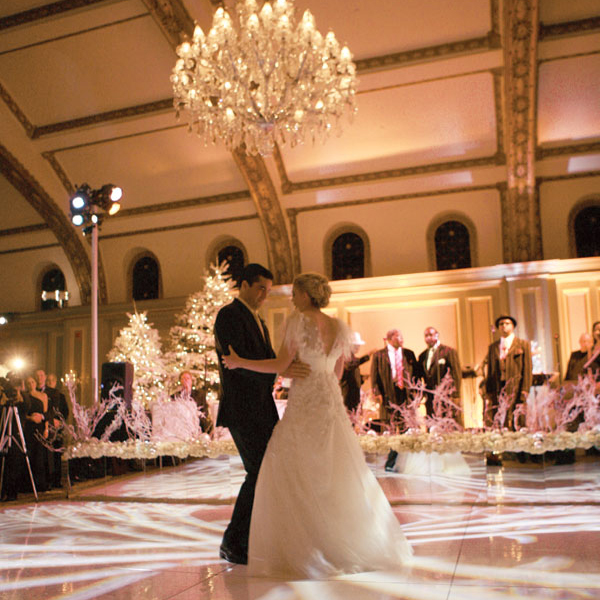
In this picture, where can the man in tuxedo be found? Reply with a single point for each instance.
(392, 369)
(509, 369)
(246, 404)
(61, 406)
(435, 362)
(351, 379)
(54, 468)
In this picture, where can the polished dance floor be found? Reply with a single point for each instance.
(520, 531)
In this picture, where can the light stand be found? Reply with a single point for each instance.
(10, 415)
(88, 208)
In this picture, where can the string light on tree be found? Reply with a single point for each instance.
(139, 344)
(192, 339)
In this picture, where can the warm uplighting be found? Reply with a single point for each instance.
(265, 81)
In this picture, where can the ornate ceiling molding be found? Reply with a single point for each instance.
(580, 175)
(429, 53)
(289, 187)
(521, 227)
(24, 229)
(44, 12)
(587, 148)
(29, 249)
(71, 243)
(15, 109)
(111, 115)
(182, 204)
(193, 225)
(568, 28)
(267, 203)
(172, 18)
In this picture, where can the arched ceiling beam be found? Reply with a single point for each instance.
(18, 176)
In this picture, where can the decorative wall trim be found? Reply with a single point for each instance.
(295, 240)
(23, 229)
(581, 175)
(521, 226)
(60, 172)
(555, 30)
(32, 191)
(44, 12)
(111, 236)
(586, 148)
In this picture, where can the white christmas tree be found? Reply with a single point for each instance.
(192, 339)
(139, 344)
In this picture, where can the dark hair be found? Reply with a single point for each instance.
(252, 272)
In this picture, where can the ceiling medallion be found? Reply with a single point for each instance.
(267, 81)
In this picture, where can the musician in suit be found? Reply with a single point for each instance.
(509, 369)
(246, 404)
(392, 369)
(435, 362)
(351, 379)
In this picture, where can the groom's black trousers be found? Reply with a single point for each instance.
(251, 442)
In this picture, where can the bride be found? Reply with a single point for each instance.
(318, 509)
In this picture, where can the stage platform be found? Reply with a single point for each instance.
(493, 533)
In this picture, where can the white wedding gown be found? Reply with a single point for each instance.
(318, 509)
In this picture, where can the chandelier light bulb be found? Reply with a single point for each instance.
(263, 80)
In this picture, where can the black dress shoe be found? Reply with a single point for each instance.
(233, 556)
(492, 460)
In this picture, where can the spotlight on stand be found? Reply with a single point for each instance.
(88, 209)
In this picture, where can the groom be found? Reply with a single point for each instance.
(246, 405)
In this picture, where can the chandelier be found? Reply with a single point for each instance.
(268, 81)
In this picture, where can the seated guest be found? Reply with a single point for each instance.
(351, 379)
(198, 396)
(579, 358)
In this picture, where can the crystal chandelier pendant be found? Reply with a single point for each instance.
(267, 81)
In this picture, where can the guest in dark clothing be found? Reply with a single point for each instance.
(351, 379)
(580, 357)
(61, 409)
(36, 426)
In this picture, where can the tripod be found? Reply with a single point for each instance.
(10, 415)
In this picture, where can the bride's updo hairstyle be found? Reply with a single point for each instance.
(316, 286)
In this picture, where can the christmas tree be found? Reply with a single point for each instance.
(139, 344)
(192, 339)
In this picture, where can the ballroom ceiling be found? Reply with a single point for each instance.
(85, 97)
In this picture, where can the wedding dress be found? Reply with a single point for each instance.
(318, 509)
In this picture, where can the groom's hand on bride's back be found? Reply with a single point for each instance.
(296, 370)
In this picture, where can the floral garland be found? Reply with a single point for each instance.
(469, 441)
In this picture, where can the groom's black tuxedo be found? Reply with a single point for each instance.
(246, 407)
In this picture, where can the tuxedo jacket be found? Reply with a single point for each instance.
(381, 373)
(351, 381)
(444, 360)
(246, 397)
(519, 369)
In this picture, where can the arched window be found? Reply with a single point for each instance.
(347, 256)
(53, 281)
(145, 279)
(587, 231)
(452, 246)
(234, 256)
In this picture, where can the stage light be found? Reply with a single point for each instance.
(17, 363)
(77, 220)
(3, 320)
